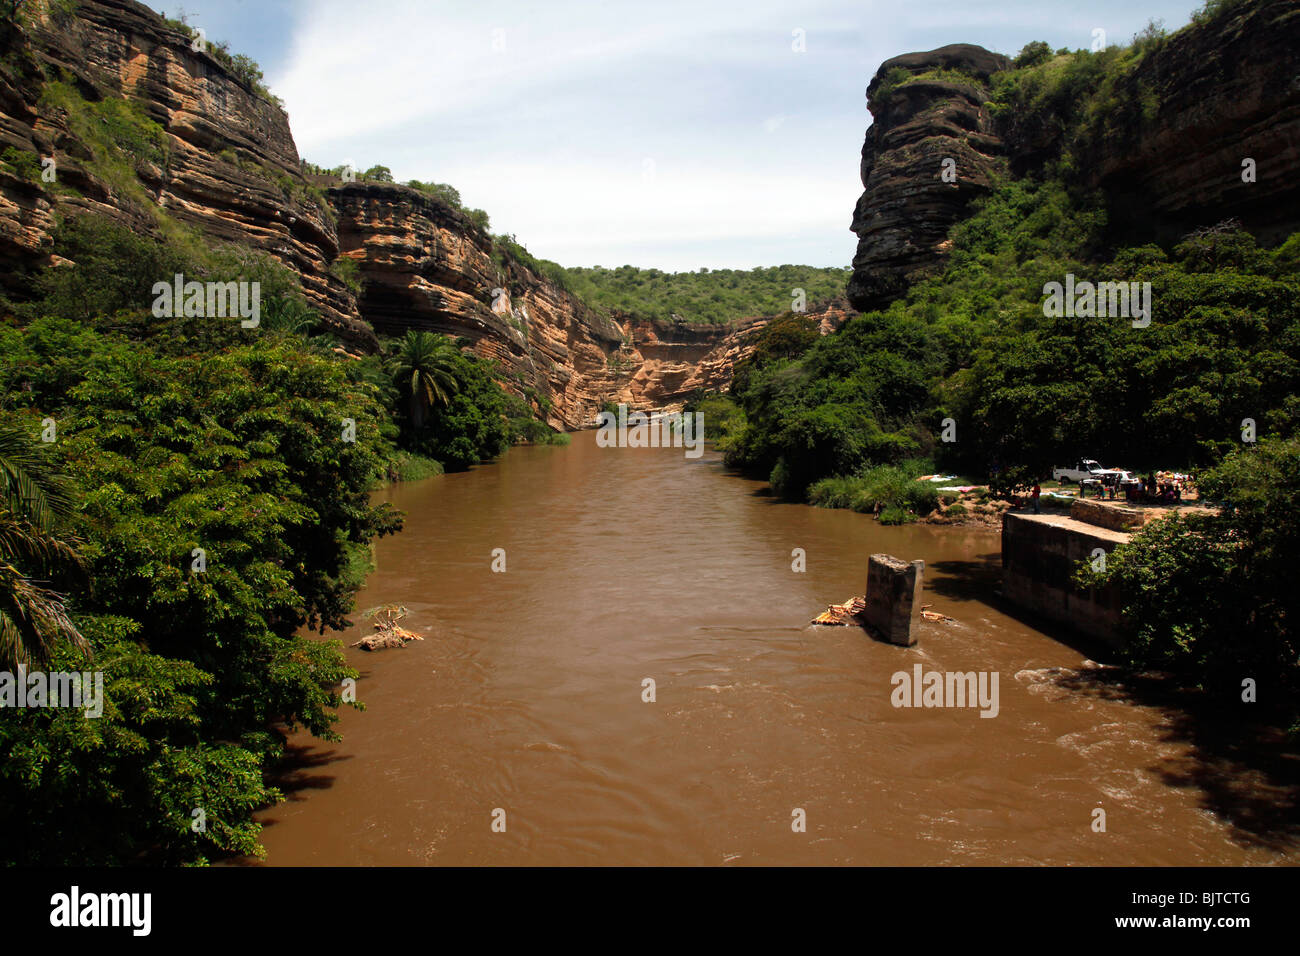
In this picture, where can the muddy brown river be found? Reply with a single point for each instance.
(524, 705)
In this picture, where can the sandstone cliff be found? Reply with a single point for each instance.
(907, 207)
(425, 265)
(229, 168)
(1165, 142)
(1222, 94)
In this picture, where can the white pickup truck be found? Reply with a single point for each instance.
(1085, 468)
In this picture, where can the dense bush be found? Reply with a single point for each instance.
(1025, 391)
(240, 453)
(257, 446)
(1212, 595)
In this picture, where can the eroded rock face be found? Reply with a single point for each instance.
(1170, 159)
(1222, 94)
(426, 266)
(676, 360)
(232, 172)
(906, 208)
(232, 168)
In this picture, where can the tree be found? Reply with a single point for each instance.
(425, 369)
(1212, 595)
(1032, 54)
(33, 501)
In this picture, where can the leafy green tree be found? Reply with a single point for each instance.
(1212, 595)
(473, 426)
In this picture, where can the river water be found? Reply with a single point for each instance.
(624, 564)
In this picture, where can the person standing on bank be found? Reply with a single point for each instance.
(1034, 495)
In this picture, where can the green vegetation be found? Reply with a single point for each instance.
(22, 164)
(879, 490)
(723, 418)
(405, 466)
(220, 477)
(899, 77)
(507, 251)
(706, 296)
(448, 195)
(219, 510)
(973, 345)
(425, 371)
(243, 68)
(348, 272)
(119, 135)
(35, 505)
(1212, 595)
(451, 196)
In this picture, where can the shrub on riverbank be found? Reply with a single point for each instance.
(1212, 595)
(885, 489)
(405, 466)
(722, 418)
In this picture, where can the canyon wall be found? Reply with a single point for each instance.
(1221, 94)
(1167, 143)
(229, 169)
(427, 266)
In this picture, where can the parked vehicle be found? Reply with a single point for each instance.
(1084, 468)
(1117, 476)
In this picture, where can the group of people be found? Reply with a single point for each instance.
(1162, 488)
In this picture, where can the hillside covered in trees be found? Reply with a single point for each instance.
(707, 295)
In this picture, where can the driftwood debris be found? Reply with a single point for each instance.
(935, 615)
(387, 633)
(849, 613)
(842, 614)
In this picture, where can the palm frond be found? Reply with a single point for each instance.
(33, 620)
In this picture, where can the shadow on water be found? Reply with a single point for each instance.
(1247, 773)
(981, 580)
(295, 776)
(299, 772)
(976, 580)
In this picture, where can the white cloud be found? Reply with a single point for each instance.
(548, 128)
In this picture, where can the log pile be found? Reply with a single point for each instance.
(842, 614)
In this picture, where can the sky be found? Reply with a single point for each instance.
(674, 134)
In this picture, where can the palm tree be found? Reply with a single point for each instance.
(33, 500)
(425, 368)
(288, 313)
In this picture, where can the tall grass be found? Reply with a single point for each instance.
(893, 489)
